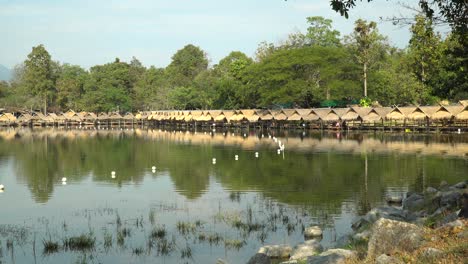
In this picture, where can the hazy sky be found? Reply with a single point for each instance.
(90, 32)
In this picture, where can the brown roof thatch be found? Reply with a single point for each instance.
(417, 114)
(265, 115)
(463, 103)
(400, 113)
(463, 115)
(442, 113)
(372, 116)
(7, 117)
(251, 115)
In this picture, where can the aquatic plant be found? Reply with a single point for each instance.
(165, 247)
(158, 232)
(186, 252)
(234, 244)
(50, 246)
(138, 251)
(107, 240)
(185, 228)
(82, 242)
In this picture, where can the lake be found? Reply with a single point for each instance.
(191, 208)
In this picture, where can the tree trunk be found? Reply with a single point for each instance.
(365, 79)
(45, 105)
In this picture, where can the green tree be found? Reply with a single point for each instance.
(321, 33)
(39, 76)
(368, 46)
(264, 50)
(70, 86)
(186, 64)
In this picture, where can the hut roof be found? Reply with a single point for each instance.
(455, 109)
(103, 116)
(400, 113)
(69, 113)
(463, 115)
(280, 116)
(373, 115)
(115, 115)
(417, 114)
(350, 115)
(341, 111)
(239, 116)
(463, 102)
(7, 117)
(295, 116)
(443, 113)
(303, 112)
(382, 111)
(322, 112)
(42, 117)
(188, 117)
(266, 115)
(311, 116)
(25, 117)
(220, 118)
(429, 110)
(129, 116)
(289, 112)
(251, 115)
(332, 116)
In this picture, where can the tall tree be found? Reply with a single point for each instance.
(186, 64)
(39, 74)
(368, 46)
(70, 86)
(321, 33)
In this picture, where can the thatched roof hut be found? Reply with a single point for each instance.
(294, 115)
(327, 114)
(446, 112)
(221, 117)
(70, 113)
(115, 116)
(463, 115)
(128, 116)
(251, 115)
(309, 115)
(188, 117)
(229, 114)
(24, 118)
(7, 117)
(40, 116)
(265, 115)
(417, 114)
(237, 117)
(400, 113)
(197, 115)
(280, 115)
(463, 103)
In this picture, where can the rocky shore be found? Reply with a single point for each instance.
(418, 228)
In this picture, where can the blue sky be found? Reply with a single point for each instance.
(86, 32)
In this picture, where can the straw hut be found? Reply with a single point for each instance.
(327, 114)
(455, 109)
(220, 118)
(308, 115)
(188, 117)
(24, 119)
(7, 118)
(70, 113)
(197, 115)
(442, 113)
(265, 115)
(418, 114)
(356, 113)
(279, 115)
(128, 118)
(237, 117)
(215, 113)
(400, 113)
(251, 115)
(43, 119)
(102, 118)
(463, 115)
(463, 103)
(229, 114)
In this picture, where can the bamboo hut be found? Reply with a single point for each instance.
(442, 113)
(25, 119)
(266, 116)
(7, 119)
(197, 115)
(463, 115)
(128, 118)
(220, 119)
(229, 114)
(42, 119)
(70, 113)
(309, 115)
(251, 116)
(58, 119)
(188, 117)
(328, 115)
(237, 117)
(463, 103)
(418, 114)
(400, 113)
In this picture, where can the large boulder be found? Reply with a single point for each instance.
(308, 248)
(387, 212)
(313, 231)
(389, 236)
(259, 258)
(450, 199)
(332, 256)
(276, 251)
(415, 202)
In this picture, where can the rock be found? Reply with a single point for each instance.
(306, 249)
(289, 262)
(414, 202)
(464, 206)
(394, 199)
(332, 256)
(389, 213)
(460, 185)
(259, 258)
(450, 199)
(364, 235)
(385, 259)
(313, 231)
(360, 223)
(431, 253)
(389, 235)
(456, 223)
(276, 251)
(431, 190)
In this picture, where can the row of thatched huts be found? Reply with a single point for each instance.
(425, 116)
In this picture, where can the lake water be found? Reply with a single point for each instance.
(207, 211)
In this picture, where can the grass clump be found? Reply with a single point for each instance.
(234, 244)
(138, 251)
(186, 252)
(81, 243)
(50, 246)
(185, 228)
(158, 233)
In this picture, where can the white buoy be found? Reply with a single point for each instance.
(256, 154)
(64, 183)
(245, 135)
(214, 160)
(64, 179)
(459, 131)
(153, 168)
(2, 187)
(113, 174)
(279, 151)
(236, 157)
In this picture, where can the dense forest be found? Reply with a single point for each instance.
(316, 68)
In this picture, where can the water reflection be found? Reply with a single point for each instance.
(319, 169)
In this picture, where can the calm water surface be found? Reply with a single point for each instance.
(229, 209)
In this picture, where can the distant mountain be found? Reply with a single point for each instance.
(5, 73)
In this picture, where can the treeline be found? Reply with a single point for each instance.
(308, 69)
